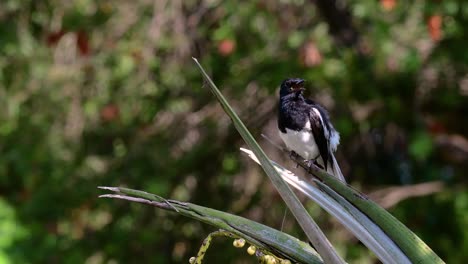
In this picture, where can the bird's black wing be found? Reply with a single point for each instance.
(318, 130)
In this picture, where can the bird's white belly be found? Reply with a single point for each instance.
(303, 143)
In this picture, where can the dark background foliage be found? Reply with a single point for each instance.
(105, 93)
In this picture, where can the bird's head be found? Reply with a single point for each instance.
(292, 87)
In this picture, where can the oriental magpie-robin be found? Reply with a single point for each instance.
(306, 129)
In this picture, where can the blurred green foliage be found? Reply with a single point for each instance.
(105, 93)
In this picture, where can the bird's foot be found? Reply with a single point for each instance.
(312, 162)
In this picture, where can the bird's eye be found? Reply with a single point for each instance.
(290, 88)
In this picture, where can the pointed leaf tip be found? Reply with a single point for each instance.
(114, 189)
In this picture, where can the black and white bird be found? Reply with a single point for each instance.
(305, 127)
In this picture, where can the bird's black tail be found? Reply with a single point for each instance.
(334, 169)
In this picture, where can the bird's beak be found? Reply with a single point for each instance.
(298, 89)
(299, 82)
(298, 86)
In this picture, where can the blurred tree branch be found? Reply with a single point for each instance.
(390, 196)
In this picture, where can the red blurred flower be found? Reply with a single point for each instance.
(82, 42)
(110, 112)
(53, 37)
(388, 5)
(226, 47)
(434, 26)
(310, 55)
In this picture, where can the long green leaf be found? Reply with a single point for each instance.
(307, 224)
(413, 247)
(274, 241)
